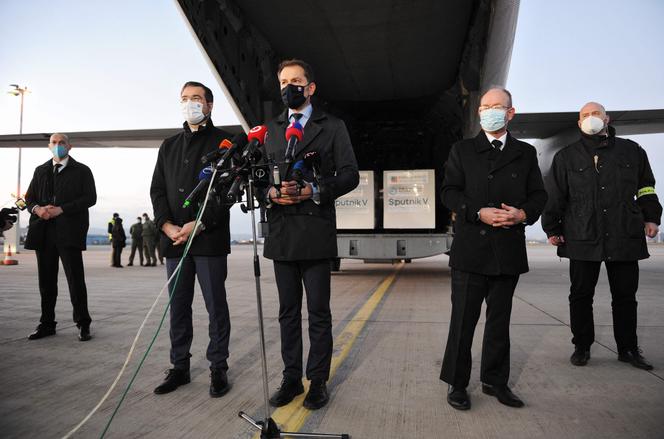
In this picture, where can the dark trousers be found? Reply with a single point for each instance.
(315, 275)
(623, 283)
(469, 290)
(136, 244)
(117, 256)
(47, 267)
(148, 249)
(211, 274)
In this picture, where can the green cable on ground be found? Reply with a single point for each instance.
(161, 323)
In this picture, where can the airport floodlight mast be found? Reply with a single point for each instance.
(16, 90)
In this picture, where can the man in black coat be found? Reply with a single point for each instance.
(494, 186)
(59, 196)
(175, 176)
(302, 230)
(602, 205)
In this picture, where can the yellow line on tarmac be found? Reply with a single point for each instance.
(292, 416)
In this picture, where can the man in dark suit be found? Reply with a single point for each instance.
(59, 196)
(494, 186)
(136, 232)
(175, 176)
(302, 231)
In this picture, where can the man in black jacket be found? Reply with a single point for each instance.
(602, 205)
(302, 230)
(175, 176)
(494, 186)
(59, 196)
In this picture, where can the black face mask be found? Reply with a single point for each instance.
(293, 96)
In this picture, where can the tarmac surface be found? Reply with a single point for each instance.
(390, 327)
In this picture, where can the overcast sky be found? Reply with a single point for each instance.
(108, 65)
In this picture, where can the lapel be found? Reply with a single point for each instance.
(311, 130)
(511, 151)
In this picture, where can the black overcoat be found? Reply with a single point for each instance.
(175, 176)
(74, 192)
(473, 181)
(307, 230)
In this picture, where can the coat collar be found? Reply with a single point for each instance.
(70, 164)
(511, 151)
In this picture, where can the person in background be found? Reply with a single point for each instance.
(119, 242)
(109, 228)
(58, 198)
(136, 232)
(150, 237)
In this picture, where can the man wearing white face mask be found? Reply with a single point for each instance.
(494, 185)
(176, 174)
(602, 206)
(59, 196)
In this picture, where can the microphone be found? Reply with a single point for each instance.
(214, 155)
(294, 134)
(256, 137)
(203, 178)
(300, 174)
(233, 194)
(239, 140)
(312, 161)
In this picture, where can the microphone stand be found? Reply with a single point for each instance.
(267, 427)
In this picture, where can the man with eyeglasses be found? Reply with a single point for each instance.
(302, 236)
(494, 186)
(58, 198)
(602, 206)
(175, 176)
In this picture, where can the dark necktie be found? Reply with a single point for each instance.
(297, 116)
(56, 170)
(496, 144)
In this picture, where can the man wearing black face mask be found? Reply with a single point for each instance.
(602, 205)
(302, 231)
(175, 176)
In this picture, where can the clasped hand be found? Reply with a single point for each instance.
(48, 212)
(506, 216)
(290, 193)
(179, 235)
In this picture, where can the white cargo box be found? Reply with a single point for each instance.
(356, 209)
(409, 199)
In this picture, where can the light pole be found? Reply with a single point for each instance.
(19, 91)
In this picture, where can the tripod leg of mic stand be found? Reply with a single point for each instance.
(315, 435)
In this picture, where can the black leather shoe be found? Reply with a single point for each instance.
(504, 395)
(317, 396)
(84, 333)
(219, 385)
(174, 379)
(634, 357)
(131, 264)
(288, 390)
(41, 332)
(458, 398)
(580, 356)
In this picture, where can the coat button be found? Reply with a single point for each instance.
(602, 187)
(514, 175)
(186, 161)
(180, 189)
(490, 176)
(463, 206)
(482, 232)
(604, 210)
(490, 204)
(580, 169)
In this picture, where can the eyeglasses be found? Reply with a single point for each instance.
(493, 107)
